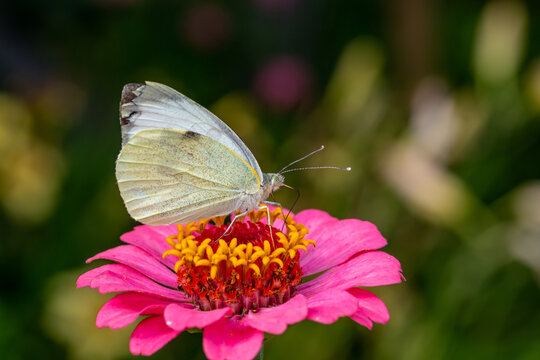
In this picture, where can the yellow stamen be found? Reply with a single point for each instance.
(238, 252)
(291, 228)
(267, 248)
(192, 252)
(249, 250)
(171, 240)
(219, 220)
(242, 262)
(292, 253)
(178, 264)
(172, 252)
(293, 238)
(278, 252)
(312, 242)
(277, 261)
(257, 255)
(276, 213)
(181, 231)
(202, 247)
(213, 271)
(209, 252)
(303, 231)
(202, 225)
(216, 259)
(188, 251)
(255, 269)
(202, 262)
(296, 247)
(283, 240)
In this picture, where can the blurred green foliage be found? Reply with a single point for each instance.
(435, 105)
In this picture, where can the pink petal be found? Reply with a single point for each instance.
(152, 239)
(230, 338)
(337, 241)
(372, 268)
(123, 309)
(120, 278)
(87, 278)
(140, 260)
(150, 335)
(179, 318)
(370, 308)
(274, 320)
(327, 307)
(314, 219)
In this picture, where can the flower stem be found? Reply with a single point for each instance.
(261, 352)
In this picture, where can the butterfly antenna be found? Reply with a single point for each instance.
(302, 158)
(348, 168)
(293, 205)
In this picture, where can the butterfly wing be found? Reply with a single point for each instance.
(175, 176)
(156, 106)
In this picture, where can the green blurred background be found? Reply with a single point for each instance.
(434, 104)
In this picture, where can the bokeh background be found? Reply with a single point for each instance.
(434, 104)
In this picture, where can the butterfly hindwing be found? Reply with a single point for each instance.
(174, 176)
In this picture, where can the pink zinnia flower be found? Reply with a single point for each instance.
(238, 286)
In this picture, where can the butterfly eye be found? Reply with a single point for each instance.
(277, 179)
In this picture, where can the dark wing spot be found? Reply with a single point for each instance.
(125, 120)
(128, 93)
(191, 135)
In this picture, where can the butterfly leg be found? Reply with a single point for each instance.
(229, 228)
(270, 203)
(273, 204)
(268, 213)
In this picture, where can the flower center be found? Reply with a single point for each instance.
(252, 266)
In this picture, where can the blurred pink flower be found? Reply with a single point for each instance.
(206, 26)
(284, 82)
(244, 284)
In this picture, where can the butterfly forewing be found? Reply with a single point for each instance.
(156, 106)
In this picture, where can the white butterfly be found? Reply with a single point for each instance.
(179, 163)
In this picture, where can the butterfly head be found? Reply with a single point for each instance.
(271, 182)
(276, 181)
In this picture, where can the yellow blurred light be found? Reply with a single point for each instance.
(427, 187)
(29, 182)
(532, 84)
(526, 203)
(353, 80)
(499, 41)
(239, 112)
(69, 317)
(15, 124)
